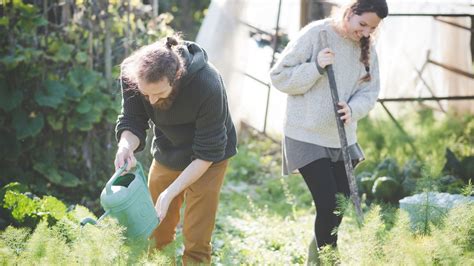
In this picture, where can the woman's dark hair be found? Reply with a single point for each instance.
(359, 7)
(153, 62)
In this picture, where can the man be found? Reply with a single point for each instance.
(171, 84)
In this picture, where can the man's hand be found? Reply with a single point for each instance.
(163, 203)
(124, 154)
(127, 145)
(345, 112)
(189, 175)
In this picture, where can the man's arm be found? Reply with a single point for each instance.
(133, 117)
(129, 140)
(190, 174)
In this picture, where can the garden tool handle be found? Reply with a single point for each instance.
(323, 36)
(108, 186)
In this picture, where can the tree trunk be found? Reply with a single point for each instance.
(186, 16)
(108, 46)
(66, 13)
(156, 5)
(90, 61)
(128, 38)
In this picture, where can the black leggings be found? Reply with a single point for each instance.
(325, 179)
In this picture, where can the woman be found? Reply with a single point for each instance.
(311, 142)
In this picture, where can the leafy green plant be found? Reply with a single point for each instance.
(65, 241)
(387, 149)
(57, 98)
(47, 208)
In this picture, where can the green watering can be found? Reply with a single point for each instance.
(126, 198)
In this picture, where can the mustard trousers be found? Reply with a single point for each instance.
(202, 198)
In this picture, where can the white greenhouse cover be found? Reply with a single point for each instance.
(402, 42)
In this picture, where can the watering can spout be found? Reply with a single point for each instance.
(88, 220)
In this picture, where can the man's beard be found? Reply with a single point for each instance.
(166, 103)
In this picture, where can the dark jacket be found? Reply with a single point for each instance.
(198, 124)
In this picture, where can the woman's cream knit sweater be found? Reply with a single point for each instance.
(310, 115)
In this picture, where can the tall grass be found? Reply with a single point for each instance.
(67, 243)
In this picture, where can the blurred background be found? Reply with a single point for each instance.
(60, 97)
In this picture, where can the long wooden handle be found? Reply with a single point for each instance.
(342, 135)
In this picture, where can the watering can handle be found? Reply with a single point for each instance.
(108, 186)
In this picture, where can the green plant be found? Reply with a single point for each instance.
(58, 101)
(257, 223)
(58, 238)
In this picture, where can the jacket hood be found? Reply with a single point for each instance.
(195, 58)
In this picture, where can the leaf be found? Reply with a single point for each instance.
(83, 122)
(27, 125)
(40, 21)
(4, 21)
(9, 99)
(49, 172)
(111, 115)
(53, 45)
(100, 100)
(64, 53)
(12, 61)
(74, 76)
(90, 81)
(20, 204)
(26, 9)
(31, 55)
(81, 57)
(55, 176)
(84, 106)
(69, 180)
(55, 121)
(13, 186)
(52, 94)
(84, 79)
(53, 207)
(73, 93)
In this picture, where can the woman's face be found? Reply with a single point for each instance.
(358, 26)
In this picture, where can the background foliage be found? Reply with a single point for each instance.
(59, 97)
(58, 103)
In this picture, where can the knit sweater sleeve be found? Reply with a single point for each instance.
(295, 72)
(366, 96)
(133, 116)
(210, 138)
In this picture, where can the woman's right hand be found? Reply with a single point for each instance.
(325, 57)
(124, 154)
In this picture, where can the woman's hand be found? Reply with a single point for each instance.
(163, 203)
(345, 112)
(325, 57)
(124, 154)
